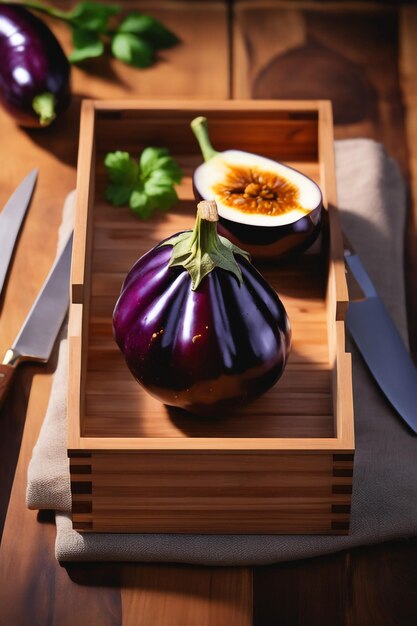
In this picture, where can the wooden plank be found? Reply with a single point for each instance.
(248, 494)
(301, 49)
(311, 593)
(170, 595)
(371, 585)
(85, 195)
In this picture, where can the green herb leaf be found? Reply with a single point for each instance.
(146, 186)
(87, 45)
(150, 30)
(92, 16)
(132, 50)
(121, 167)
(139, 202)
(162, 198)
(134, 40)
(119, 195)
(123, 174)
(158, 159)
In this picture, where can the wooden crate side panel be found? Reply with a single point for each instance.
(81, 273)
(283, 130)
(74, 375)
(287, 140)
(81, 252)
(337, 299)
(328, 181)
(200, 493)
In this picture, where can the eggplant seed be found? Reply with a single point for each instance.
(252, 190)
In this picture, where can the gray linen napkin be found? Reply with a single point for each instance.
(372, 200)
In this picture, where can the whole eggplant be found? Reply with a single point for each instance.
(208, 339)
(34, 71)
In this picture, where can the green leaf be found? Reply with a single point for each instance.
(119, 194)
(160, 178)
(87, 45)
(132, 50)
(151, 30)
(149, 159)
(166, 200)
(142, 185)
(123, 174)
(163, 198)
(93, 16)
(168, 165)
(121, 167)
(154, 159)
(142, 204)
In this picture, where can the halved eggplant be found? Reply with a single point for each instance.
(265, 206)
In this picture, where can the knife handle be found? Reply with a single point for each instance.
(6, 376)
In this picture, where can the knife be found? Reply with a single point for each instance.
(40, 329)
(381, 345)
(11, 219)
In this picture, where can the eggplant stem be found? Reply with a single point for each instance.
(199, 126)
(207, 209)
(44, 106)
(202, 250)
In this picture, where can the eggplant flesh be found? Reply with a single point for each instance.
(265, 206)
(34, 71)
(208, 350)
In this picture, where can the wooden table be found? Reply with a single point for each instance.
(362, 56)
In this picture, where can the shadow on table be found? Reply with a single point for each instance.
(12, 422)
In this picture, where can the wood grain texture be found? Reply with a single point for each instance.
(302, 596)
(370, 586)
(302, 49)
(186, 596)
(212, 493)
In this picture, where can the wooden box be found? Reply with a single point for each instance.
(284, 463)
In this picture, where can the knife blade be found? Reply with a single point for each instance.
(11, 219)
(381, 345)
(40, 329)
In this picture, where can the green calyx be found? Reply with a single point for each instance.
(201, 250)
(44, 106)
(199, 126)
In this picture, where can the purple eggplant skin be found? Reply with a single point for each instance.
(32, 63)
(278, 242)
(207, 351)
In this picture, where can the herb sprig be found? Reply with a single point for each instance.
(145, 185)
(135, 39)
